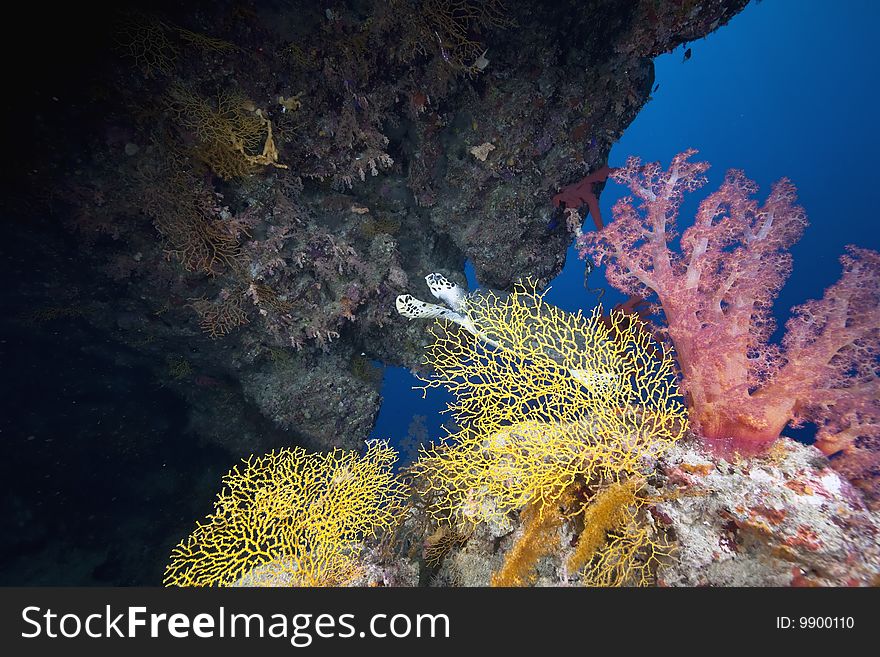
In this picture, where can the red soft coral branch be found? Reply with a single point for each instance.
(832, 347)
(582, 192)
(716, 293)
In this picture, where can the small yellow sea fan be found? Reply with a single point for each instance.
(291, 517)
(234, 136)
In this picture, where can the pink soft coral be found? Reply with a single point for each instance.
(716, 295)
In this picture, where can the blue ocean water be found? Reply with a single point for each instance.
(787, 89)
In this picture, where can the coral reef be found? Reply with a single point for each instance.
(785, 519)
(571, 465)
(254, 190)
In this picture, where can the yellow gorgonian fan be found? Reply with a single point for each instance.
(543, 398)
(291, 517)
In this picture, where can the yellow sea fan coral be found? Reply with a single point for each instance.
(145, 39)
(440, 543)
(291, 517)
(205, 42)
(220, 317)
(235, 137)
(630, 555)
(544, 398)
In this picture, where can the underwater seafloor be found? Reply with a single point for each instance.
(226, 221)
